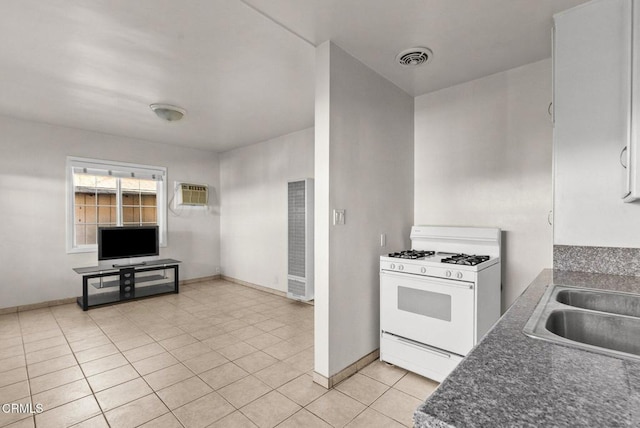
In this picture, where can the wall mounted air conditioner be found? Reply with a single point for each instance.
(191, 194)
(300, 240)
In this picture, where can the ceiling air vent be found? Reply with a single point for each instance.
(414, 57)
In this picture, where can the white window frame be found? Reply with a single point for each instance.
(121, 169)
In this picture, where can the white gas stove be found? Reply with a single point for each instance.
(438, 299)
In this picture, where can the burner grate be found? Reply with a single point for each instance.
(412, 254)
(465, 259)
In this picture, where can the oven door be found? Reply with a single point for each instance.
(433, 311)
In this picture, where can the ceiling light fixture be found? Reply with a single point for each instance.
(413, 57)
(168, 112)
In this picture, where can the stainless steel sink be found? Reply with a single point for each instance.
(602, 301)
(601, 330)
(596, 320)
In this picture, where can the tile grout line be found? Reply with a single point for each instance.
(190, 312)
(81, 370)
(26, 369)
(152, 389)
(104, 413)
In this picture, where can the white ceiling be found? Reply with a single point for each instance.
(469, 38)
(243, 69)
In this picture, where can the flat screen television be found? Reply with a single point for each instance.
(128, 241)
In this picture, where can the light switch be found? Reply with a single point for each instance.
(383, 239)
(338, 217)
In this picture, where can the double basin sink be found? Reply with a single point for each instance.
(606, 322)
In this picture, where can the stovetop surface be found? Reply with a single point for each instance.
(440, 258)
(412, 254)
(465, 259)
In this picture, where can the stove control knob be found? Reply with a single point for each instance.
(423, 270)
(392, 266)
(459, 275)
(400, 267)
(448, 274)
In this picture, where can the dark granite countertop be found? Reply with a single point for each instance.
(511, 380)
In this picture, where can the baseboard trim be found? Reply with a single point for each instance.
(254, 286)
(201, 279)
(32, 306)
(347, 372)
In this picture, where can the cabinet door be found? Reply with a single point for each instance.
(592, 83)
(631, 155)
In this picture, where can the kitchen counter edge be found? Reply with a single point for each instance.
(510, 379)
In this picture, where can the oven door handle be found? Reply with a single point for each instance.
(444, 282)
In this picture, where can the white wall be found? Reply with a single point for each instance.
(364, 164)
(35, 266)
(253, 223)
(483, 158)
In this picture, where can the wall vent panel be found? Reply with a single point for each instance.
(300, 240)
(192, 194)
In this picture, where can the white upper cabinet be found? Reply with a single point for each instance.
(632, 154)
(594, 131)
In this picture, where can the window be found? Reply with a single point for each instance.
(104, 193)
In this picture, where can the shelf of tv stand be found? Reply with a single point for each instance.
(116, 268)
(114, 296)
(131, 290)
(116, 283)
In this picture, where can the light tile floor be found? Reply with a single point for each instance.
(216, 355)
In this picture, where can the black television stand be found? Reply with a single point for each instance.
(128, 282)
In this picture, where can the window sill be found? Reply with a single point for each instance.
(78, 250)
